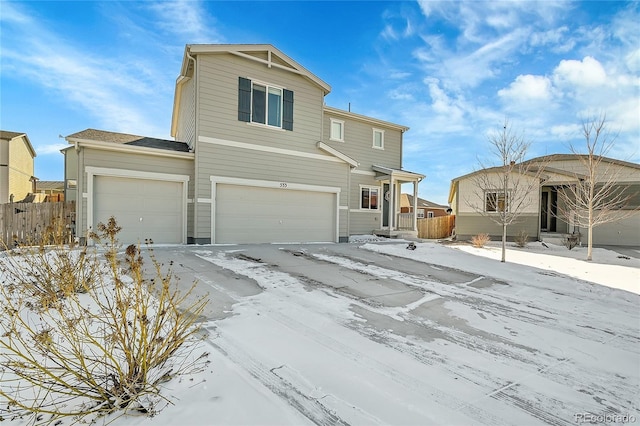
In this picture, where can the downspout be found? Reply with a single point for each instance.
(196, 167)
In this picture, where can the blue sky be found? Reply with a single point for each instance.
(451, 71)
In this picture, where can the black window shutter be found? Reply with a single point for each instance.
(244, 99)
(287, 109)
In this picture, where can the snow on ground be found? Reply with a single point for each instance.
(378, 334)
(608, 268)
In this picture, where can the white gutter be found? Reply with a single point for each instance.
(117, 147)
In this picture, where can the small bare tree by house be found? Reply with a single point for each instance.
(504, 191)
(597, 197)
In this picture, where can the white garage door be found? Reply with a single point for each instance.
(248, 214)
(144, 208)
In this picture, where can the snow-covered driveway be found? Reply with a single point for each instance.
(337, 334)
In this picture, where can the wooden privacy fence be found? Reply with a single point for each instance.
(26, 223)
(436, 227)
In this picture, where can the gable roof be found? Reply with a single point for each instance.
(7, 135)
(93, 135)
(545, 160)
(49, 185)
(422, 203)
(263, 53)
(266, 54)
(569, 157)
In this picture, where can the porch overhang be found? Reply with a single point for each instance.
(394, 223)
(388, 173)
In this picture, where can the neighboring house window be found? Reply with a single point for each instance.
(378, 139)
(264, 104)
(496, 202)
(369, 198)
(430, 214)
(420, 214)
(337, 130)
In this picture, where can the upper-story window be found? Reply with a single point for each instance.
(337, 130)
(265, 104)
(378, 139)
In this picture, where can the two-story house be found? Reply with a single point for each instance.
(257, 157)
(16, 166)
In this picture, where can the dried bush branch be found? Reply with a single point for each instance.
(84, 335)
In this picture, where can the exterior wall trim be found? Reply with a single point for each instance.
(93, 171)
(110, 146)
(243, 145)
(215, 180)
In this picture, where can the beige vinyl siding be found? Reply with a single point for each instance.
(218, 103)
(358, 143)
(129, 161)
(471, 197)
(4, 171)
(364, 221)
(186, 131)
(20, 169)
(468, 225)
(218, 160)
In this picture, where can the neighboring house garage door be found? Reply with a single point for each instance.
(144, 208)
(248, 214)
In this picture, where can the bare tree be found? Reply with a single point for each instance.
(504, 192)
(597, 197)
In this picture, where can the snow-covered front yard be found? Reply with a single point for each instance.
(378, 334)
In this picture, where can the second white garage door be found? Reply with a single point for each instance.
(144, 208)
(248, 214)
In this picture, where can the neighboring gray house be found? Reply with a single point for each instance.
(540, 218)
(257, 157)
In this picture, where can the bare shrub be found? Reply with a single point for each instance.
(522, 239)
(480, 240)
(82, 335)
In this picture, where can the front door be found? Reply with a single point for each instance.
(544, 211)
(385, 205)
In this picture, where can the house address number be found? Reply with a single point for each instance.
(283, 184)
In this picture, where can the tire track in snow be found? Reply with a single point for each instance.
(309, 407)
(265, 275)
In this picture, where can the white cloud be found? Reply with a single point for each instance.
(121, 94)
(52, 148)
(588, 72)
(186, 19)
(528, 87)
(566, 131)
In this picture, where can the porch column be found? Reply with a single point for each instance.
(392, 204)
(415, 205)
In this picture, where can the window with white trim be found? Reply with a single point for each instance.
(378, 139)
(369, 197)
(420, 213)
(496, 201)
(263, 103)
(430, 214)
(337, 130)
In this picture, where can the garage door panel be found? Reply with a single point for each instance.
(145, 209)
(246, 214)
